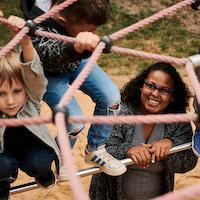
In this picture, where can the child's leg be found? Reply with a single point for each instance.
(4, 190)
(107, 98)
(36, 159)
(8, 173)
(105, 94)
(57, 86)
(37, 163)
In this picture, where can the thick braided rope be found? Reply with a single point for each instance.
(77, 85)
(142, 54)
(67, 158)
(163, 13)
(55, 36)
(62, 133)
(128, 119)
(138, 119)
(53, 11)
(9, 46)
(82, 76)
(25, 30)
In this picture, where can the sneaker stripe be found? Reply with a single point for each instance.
(94, 158)
(103, 163)
(99, 161)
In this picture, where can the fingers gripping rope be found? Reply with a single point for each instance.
(108, 43)
(63, 110)
(32, 26)
(195, 5)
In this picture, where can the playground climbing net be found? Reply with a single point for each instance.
(105, 46)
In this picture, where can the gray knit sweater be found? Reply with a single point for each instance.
(104, 187)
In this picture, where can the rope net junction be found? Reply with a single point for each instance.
(189, 63)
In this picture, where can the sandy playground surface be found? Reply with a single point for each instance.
(62, 191)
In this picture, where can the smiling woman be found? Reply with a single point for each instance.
(158, 89)
(154, 98)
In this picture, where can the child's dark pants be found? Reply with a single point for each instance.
(23, 150)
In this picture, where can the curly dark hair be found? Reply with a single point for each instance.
(131, 92)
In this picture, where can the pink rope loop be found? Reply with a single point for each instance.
(142, 54)
(164, 13)
(53, 11)
(14, 41)
(60, 122)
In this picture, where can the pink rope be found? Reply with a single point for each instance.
(24, 121)
(60, 121)
(7, 48)
(67, 157)
(82, 76)
(63, 138)
(194, 80)
(37, 20)
(142, 54)
(62, 135)
(55, 36)
(139, 119)
(163, 13)
(161, 118)
(53, 11)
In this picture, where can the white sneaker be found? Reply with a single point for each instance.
(102, 159)
(63, 176)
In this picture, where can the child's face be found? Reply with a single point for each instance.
(74, 29)
(12, 98)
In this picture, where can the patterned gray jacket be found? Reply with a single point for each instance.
(104, 187)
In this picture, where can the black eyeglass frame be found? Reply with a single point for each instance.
(162, 90)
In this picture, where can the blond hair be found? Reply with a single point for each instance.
(11, 68)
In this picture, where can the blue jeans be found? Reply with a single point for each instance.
(102, 91)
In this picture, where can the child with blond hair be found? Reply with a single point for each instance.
(29, 147)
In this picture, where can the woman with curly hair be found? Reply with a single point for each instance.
(157, 90)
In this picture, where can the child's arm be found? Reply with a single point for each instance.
(16, 24)
(1, 13)
(32, 69)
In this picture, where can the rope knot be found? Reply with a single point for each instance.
(108, 43)
(32, 27)
(63, 110)
(195, 5)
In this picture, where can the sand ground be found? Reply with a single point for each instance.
(62, 191)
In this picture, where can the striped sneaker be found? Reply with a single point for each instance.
(107, 163)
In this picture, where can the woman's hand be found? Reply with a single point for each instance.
(160, 149)
(140, 155)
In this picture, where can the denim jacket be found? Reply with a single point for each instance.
(104, 187)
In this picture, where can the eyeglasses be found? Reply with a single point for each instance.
(162, 90)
